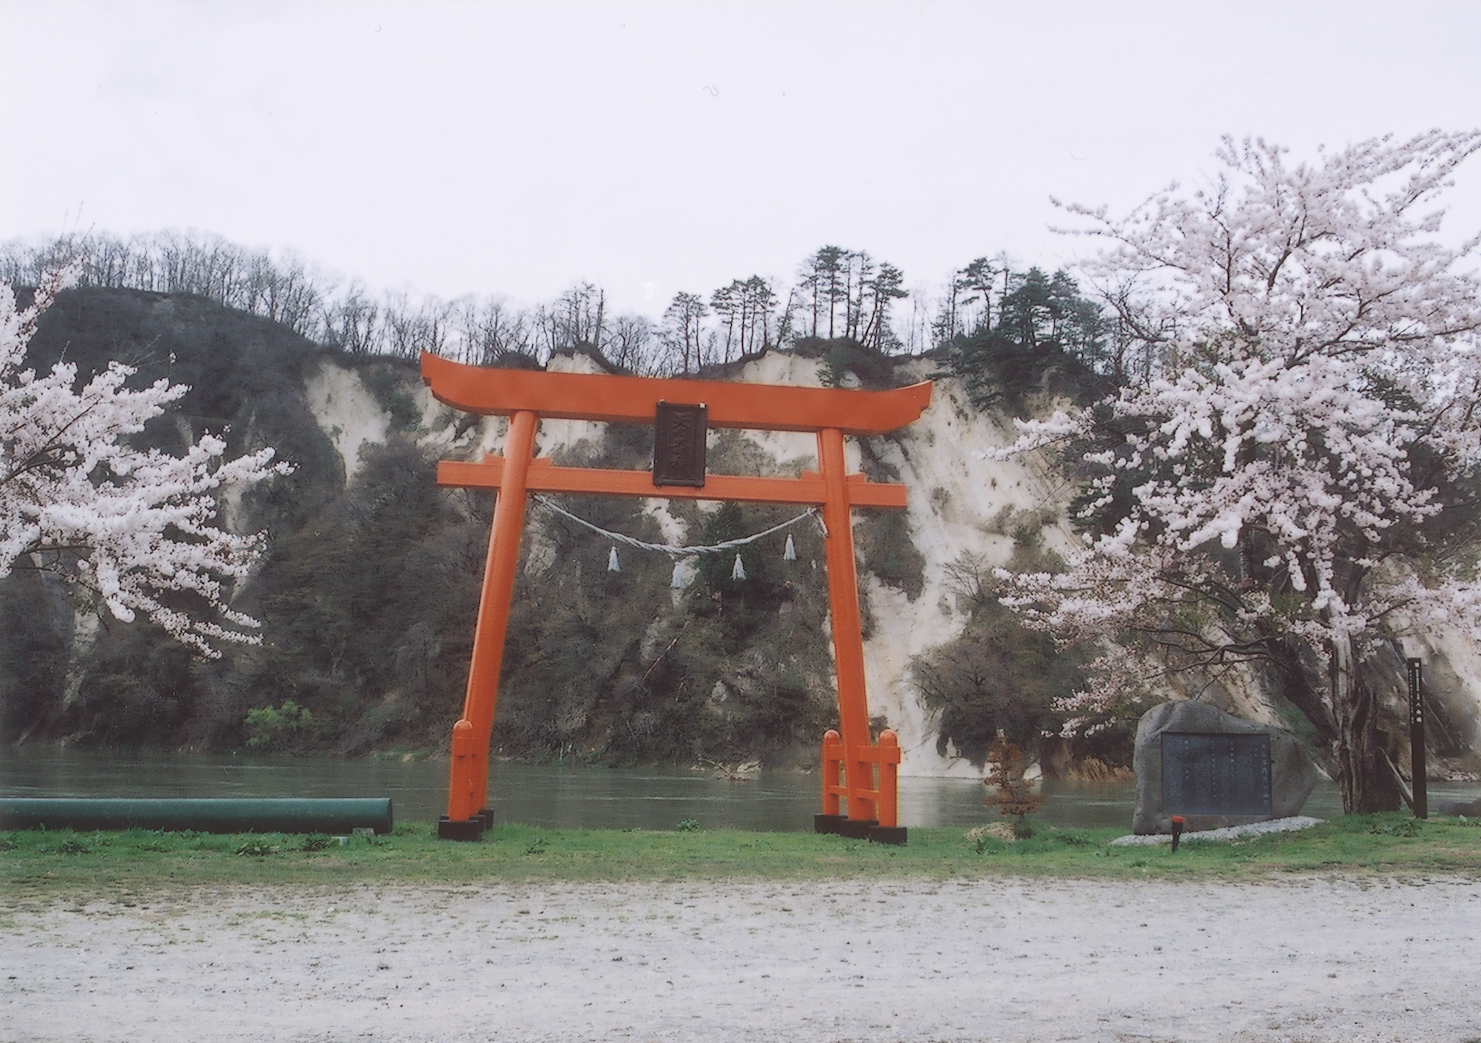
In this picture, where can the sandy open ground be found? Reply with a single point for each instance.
(1351, 959)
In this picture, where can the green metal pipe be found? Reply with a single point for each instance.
(208, 815)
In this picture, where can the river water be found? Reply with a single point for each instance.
(561, 795)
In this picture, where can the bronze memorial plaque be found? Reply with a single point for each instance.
(1215, 774)
(679, 444)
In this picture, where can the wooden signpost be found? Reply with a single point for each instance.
(856, 770)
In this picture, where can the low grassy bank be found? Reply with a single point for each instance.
(37, 863)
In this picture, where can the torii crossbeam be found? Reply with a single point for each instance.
(855, 769)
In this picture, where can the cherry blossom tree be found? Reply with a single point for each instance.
(135, 529)
(1281, 489)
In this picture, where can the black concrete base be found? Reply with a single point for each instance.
(888, 835)
(447, 829)
(487, 815)
(858, 828)
(828, 823)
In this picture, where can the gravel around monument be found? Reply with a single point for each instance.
(1351, 957)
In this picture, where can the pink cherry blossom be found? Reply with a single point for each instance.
(1312, 409)
(134, 528)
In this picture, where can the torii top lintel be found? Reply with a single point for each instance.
(634, 400)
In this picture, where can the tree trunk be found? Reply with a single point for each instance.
(1367, 785)
(1305, 691)
(596, 337)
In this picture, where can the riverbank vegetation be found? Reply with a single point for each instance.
(38, 864)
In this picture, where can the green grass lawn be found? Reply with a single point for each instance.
(38, 863)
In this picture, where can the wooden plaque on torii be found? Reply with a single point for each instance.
(859, 795)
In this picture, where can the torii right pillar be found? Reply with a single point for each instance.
(854, 768)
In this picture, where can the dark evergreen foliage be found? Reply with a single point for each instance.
(1041, 331)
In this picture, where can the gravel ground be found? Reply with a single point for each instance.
(1350, 958)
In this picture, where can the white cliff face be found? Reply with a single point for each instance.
(346, 412)
(961, 502)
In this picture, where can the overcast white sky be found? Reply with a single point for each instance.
(514, 148)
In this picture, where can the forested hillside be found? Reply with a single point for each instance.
(368, 589)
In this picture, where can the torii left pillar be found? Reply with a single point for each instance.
(857, 772)
(467, 798)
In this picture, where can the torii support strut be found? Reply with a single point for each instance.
(868, 773)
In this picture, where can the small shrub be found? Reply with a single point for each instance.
(888, 552)
(996, 674)
(394, 396)
(314, 842)
(257, 849)
(1408, 827)
(272, 728)
(73, 846)
(689, 825)
(834, 369)
(537, 846)
(1011, 794)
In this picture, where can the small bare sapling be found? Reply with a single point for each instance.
(1007, 790)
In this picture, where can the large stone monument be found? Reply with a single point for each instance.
(1220, 770)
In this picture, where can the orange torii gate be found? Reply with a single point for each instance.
(680, 410)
